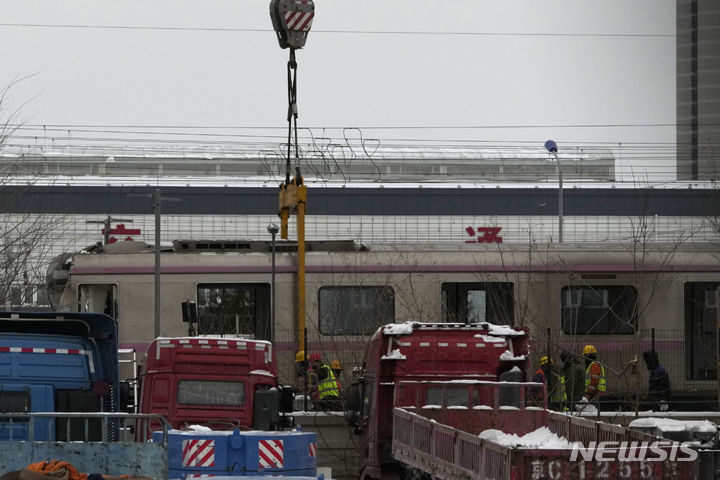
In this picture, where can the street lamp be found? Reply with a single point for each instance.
(551, 147)
(157, 200)
(273, 229)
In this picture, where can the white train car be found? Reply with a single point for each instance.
(622, 298)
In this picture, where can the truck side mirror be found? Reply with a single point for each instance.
(265, 411)
(125, 396)
(286, 399)
(189, 312)
(354, 400)
(353, 405)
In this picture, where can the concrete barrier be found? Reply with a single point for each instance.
(120, 458)
(337, 445)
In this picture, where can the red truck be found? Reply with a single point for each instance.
(452, 401)
(222, 383)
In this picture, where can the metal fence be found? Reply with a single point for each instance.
(626, 372)
(102, 427)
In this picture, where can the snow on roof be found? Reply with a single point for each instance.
(493, 330)
(540, 438)
(503, 330)
(398, 328)
(490, 338)
(672, 425)
(396, 354)
(508, 356)
(200, 338)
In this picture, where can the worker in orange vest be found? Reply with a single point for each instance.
(595, 384)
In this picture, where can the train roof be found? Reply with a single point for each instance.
(329, 246)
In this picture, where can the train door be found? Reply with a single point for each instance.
(98, 298)
(473, 302)
(234, 308)
(701, 330)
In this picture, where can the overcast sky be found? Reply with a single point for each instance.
(431, 64)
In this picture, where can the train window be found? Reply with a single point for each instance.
(98, 298)
(599, 310)
(16, 297)
(473, 302)
(234, 308)
(355, 310)
(701, 320)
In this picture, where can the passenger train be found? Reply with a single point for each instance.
(623, 298)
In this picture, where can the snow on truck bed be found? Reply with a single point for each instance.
(540, 438)
(672, 425)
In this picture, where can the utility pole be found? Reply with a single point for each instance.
(273, 230)
(157, 200)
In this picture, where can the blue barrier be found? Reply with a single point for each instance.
(233, 453)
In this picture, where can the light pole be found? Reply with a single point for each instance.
(273, 229)
(157, 200)
(551, 147)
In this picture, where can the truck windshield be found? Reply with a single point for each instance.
(452, 396)
(208, 392)
(14, 402)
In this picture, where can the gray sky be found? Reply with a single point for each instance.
(485, 64)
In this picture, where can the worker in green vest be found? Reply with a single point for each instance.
(554, 382)
(326, 390)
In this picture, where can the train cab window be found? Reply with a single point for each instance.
(701, 320)
(474, 302)
(234, 308)
(98, 298)
(599, 310)
(355, 310)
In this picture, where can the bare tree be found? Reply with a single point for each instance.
(26, 237)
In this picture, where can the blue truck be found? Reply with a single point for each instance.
(60, 398)
(54, 362)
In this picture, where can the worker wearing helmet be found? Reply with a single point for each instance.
(554, 383)
(336, 368)
(326, 394)
(303, 382)
(574, 372)
(595, 386)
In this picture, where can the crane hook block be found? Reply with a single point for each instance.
(292, 20)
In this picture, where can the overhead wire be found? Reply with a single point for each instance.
(341, 31)
(177, 131)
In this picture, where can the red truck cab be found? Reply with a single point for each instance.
(424, 352)
(217, 382)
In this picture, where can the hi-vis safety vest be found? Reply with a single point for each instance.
(329, 386)
(601, 386)
(559, 394)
